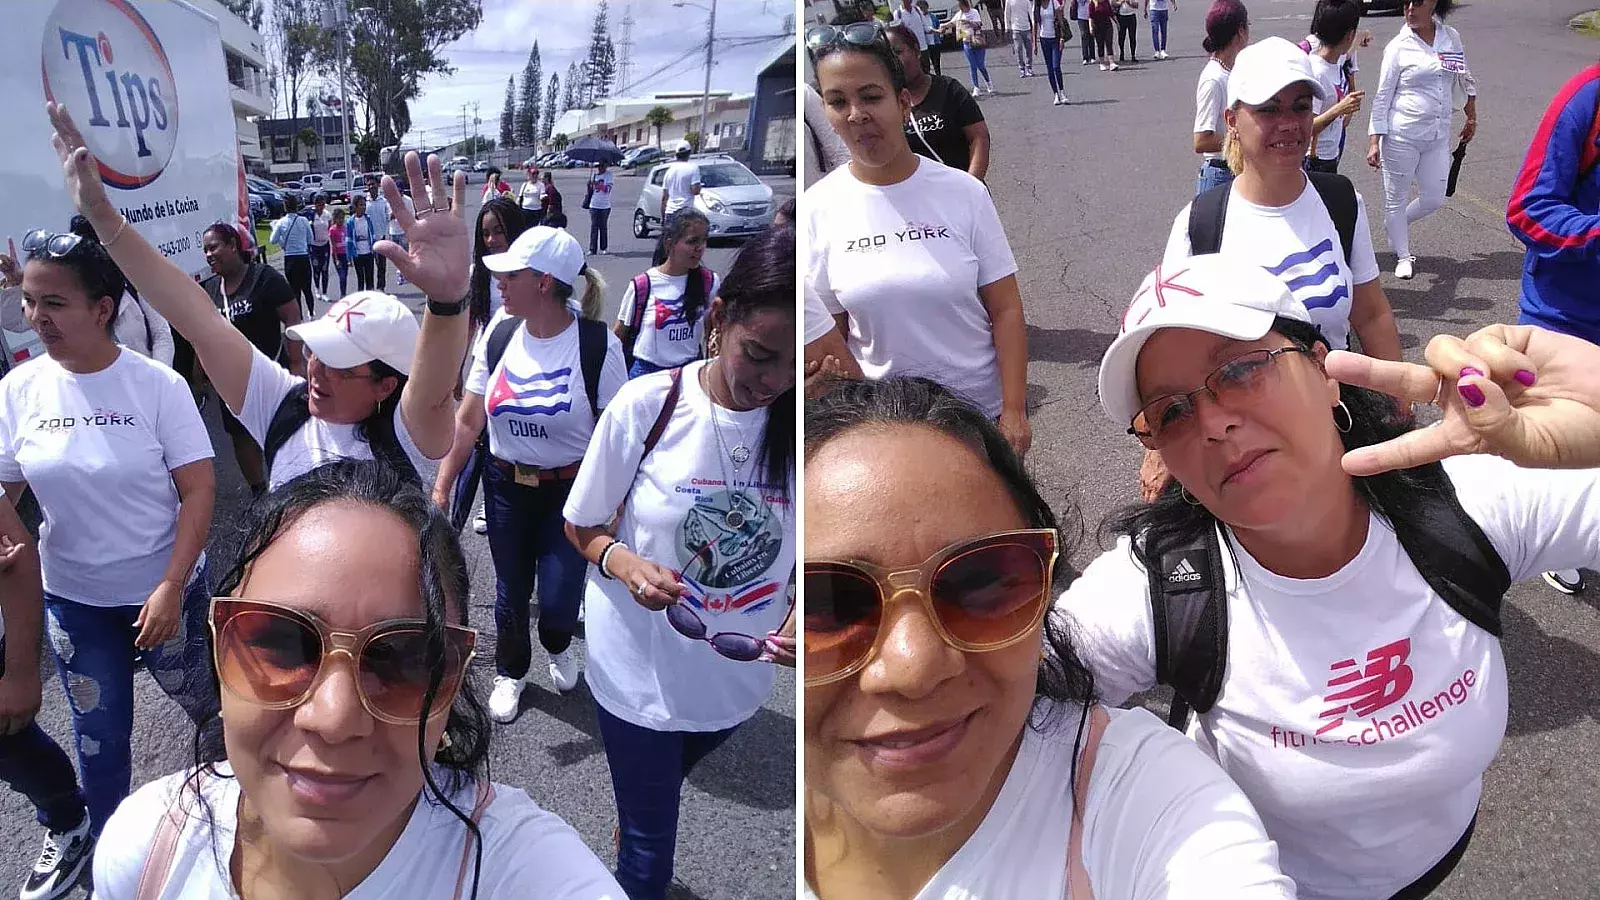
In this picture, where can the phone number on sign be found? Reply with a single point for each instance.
(174, 247)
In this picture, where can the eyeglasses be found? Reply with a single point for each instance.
(981, 594)
(730, 644)
(1240, 380)
(272, 656)
(44, 242)
(860, 34)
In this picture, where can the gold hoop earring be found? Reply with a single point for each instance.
(714, 342)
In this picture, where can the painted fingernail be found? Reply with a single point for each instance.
(1526, 377)
(1470, 371)
(1472, 394)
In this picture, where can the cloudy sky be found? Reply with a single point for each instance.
(664, 38)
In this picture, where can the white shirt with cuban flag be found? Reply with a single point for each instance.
(1299, 244)
(1358, 711)
(536, 404)
(666, 336)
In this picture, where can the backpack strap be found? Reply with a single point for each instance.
(667, 406)
(293, 412)
(1189, 615)
(163, 850)
(1207, 216)
(494, 351)
(1456, 558)
(1339, 196)
(641, 300)
(485, 797)
(592, 348)
(1078, 887)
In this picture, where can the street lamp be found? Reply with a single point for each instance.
(339, 14)
(711, 37)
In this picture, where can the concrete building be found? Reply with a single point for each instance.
(244, 49)
(327, 154)
(621, 120)
(772, 121)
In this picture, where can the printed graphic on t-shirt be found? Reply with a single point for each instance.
(1313, 276)
(729, 539)
(911, 233)
(1362, 689)
(672, 320)
(536, 394)
(98, 418)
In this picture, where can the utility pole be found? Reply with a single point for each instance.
(705, 95)
(475, 123)
(339, 14)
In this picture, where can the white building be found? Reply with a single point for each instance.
(244, 49)
(622, 120)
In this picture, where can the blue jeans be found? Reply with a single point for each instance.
(527, 539)
(319, 267)
(1210, 177)
(1158, 29)
(975, 63)
(644, 367)
(1051, 49)
(95, 656)
(647, 772)
(599, 230)
(1022, 42)
(35, 767)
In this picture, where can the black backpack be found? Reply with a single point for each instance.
(591, 353)
(1209, 213)
(1189, 608)
(293, 413)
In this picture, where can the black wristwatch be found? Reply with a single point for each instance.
(447, 309)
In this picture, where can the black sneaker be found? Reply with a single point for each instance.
(1560, 582)
(61, 862)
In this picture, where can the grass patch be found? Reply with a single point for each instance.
(1586, 23)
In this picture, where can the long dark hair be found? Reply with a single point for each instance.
(443, 583)
(1373, 419)
(762, 277)
(694, 296)
(378, 428)
(514, 223)
(904, 402)
(96, 272)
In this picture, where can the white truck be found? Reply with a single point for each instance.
(147, 83)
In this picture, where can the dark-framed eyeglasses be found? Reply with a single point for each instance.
(1173, 417)
(44, 242)
(860, 34)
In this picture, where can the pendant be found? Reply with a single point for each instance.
(739, 454)
(734, 519)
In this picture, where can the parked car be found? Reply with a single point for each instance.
(269, 193)
(1371, 6)
(640, 157)
(311, 184)
(258, 208)
(733, 199)
(481, 165)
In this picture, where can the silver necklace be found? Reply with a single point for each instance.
(740, 452)
(733, 518)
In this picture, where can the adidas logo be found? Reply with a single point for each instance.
(1183, 572)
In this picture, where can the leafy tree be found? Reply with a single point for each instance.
(392, 48)
(367, 148)
(574, 95)
(657, 117)
(508, 113)
(252, 11)
(526, 131)
(297, 38)
(550, 99)
(560, 141)
(307, 138)
(694, 138)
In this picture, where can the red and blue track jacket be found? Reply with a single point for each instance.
(1555, 210)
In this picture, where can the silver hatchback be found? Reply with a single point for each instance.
(733, 199)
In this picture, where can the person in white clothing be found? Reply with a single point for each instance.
(321, 247)
(1423, 67)
(906, 13)
(945, 713)
(350, 756)
(530, 196)
(1157, 13)
(1333, 26)
(535, 402)
(1364, 692)
(661, 321)
(1019, 21)
(597, 200)
(374, 387)
(680, 184)
(937, 298)
(1227, 34)
(825, 151)
(381, 215)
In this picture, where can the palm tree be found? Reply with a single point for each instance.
(308, 139)
(560, 142)
(657, 117)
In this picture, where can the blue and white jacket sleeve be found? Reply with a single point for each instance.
(1544, 213)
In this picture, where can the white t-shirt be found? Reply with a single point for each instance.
(639, 668)
(394, 221)
(914, 21)
(906, 261)
(1210, 99)
(818, 321)
(1299, 244)
(603, 183)
(1019, 15)
(1161, 820)
(679, 180)
(316, 442)
(1392, 782)
(666, 338)
(319, 228)
(526, 850)
(530, 194)
(535, 399)
(96, 449)
(1330, 143)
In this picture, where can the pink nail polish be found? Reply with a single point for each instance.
(1470, 371)
(1526, 377)
(1472, 394)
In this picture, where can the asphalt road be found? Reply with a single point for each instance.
(736, 835)
(1088, 193)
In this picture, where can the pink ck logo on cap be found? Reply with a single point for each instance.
(103, 61)
(1153, 295)
(344, 312)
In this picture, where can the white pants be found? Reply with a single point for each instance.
(1405, 162)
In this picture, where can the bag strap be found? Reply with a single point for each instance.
(591, 358)
(1207, 216)
(1189, 615)
(293, 412)
(641, 300)
(1339, 196)
(1078, 887)
(667, 406)
(1456, 558)
(485, 797)
(495, 350)
(163, 850)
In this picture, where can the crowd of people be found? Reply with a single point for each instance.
(1318, 578)
(341, 739)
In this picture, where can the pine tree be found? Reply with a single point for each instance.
(550, 100)
(526, 131)
(573, 98)
(508, 114)
(600, 66)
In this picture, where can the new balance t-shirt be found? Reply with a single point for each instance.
(536, 404)
(1300, 244)
(740, 575)
(1359, 711)
(905, 261)
(666, 336)
(942, 115)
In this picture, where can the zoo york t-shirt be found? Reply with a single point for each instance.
(740, 576)
(905, 261)
(1359, 711)
(536, 404)
(96, 449)
(942, 115)
(666, 338)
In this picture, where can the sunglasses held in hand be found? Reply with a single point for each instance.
(732, 645)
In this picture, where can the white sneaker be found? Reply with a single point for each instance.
(1115, 67)
(505, 698)
(1055, 98)
(1064, 100)
(1406, 267)
(564, 670)
(480, 524)
(61, 862)
(1088, 62)
(977, 89)
(1102, 67)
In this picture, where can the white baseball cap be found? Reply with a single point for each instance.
(1220, 294)
(1267, 67)
(365, 326)
(543, 249)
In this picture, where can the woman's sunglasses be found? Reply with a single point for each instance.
(272, 656)
(730, 644)
(44, 242)
(981, 594)
(860, 34)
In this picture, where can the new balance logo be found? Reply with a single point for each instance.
(1183, 572)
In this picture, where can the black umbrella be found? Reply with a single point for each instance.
(593, 150)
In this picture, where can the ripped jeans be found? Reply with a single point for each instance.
(95, 657)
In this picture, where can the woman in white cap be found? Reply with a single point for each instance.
(373, 388)
(1332, 616)
(539, 378)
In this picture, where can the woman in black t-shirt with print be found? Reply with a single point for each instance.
(943, 113)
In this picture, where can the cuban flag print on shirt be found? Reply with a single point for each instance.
(1314, 276)
(538, 394)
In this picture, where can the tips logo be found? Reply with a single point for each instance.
(103, 61)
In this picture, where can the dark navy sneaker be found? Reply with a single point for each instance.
(61, 862)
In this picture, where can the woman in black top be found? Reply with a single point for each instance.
(550, 205)
(949, 122)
